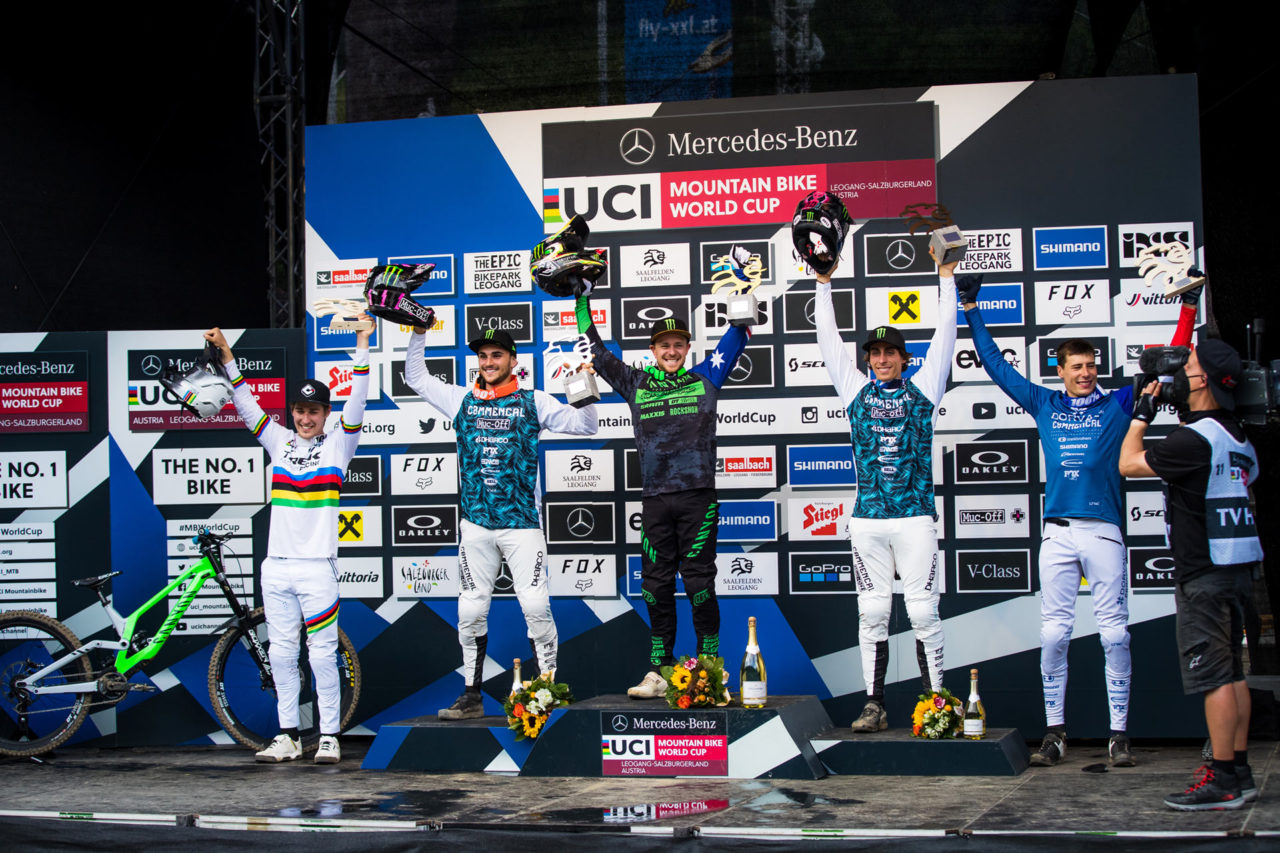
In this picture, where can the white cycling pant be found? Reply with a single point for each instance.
(1092, 549)
(297, 593)
(909, 547)
(480, 555)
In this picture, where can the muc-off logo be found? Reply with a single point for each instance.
(820, 574)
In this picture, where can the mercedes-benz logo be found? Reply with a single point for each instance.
(581, 522)
(619, 722)
(151, 365)
(741, 368)
(809, 309)
(900, 254)
(636, 146)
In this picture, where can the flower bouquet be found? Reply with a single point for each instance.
(937, 715)
(697, 683)
(529, 707)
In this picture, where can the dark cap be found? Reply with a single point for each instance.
(671, 324)
(309, 391)
(886, 335)
(493, 337)
(1222, 369)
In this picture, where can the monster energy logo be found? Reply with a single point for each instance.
(881, 332)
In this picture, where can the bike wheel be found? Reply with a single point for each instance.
(30, 641)
(244, 695)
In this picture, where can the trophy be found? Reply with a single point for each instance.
(346, 314)
(740, 272)
(580, 387)
(945, 238)
(1169, 263)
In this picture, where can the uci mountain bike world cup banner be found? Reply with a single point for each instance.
(152, 407)
(44, 392)
(745, 168)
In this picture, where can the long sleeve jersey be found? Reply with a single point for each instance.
(497, 433)
(306, 475)
(1081, 436)
(891, 424)
(673, 414)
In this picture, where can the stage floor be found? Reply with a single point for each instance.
(225, 781)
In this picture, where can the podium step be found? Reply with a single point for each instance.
(616, 736)
(894, 752)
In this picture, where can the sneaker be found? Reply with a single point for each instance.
(1119, 752)
(1208, 791)
(468, 706)
(872, 719)
(652, 686)
(283, 748)
(1248, 787)
(328, 752)
(1052, 750)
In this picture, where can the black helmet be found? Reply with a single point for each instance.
(387, 291)
(562, 265)
(819, 227)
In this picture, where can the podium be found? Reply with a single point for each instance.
(614, 736)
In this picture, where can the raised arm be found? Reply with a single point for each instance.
(931, 378)
(270, 434)
(719, 363)
(621, 377)
(842, 369)
(559, 417)
(444, 397)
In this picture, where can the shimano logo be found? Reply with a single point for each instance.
(1066, 248)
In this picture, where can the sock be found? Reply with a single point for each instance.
(1224, 768)
(1241, 758)
(1060, 731)
(1115, 732)
(293, 733)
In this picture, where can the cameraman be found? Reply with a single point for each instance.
(1207, 465)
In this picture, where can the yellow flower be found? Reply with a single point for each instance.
(702, 673)
(532, 724)
(680, 677)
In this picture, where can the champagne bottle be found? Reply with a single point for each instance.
(751, 675)
(516, 684)
(975, 716)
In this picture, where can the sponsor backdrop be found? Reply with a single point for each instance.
(1058, 184)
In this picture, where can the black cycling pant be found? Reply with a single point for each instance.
(678, 534)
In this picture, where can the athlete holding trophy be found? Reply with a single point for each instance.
(891, 422)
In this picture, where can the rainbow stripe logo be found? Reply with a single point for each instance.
(551, 206)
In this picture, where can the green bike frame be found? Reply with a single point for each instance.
(195, 576)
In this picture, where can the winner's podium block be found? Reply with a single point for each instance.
(618, 736)
(894, 752)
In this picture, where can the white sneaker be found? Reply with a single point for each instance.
(328, 752)
(652, 686)
(283, 748)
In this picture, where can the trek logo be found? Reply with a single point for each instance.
(1080, 247)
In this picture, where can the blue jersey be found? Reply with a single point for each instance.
(1081, 436)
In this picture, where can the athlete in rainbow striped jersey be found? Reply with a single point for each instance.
(299, 578)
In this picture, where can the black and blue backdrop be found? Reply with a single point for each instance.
(667, 188)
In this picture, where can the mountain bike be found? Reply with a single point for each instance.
(49, 680)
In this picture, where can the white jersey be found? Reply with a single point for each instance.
(306, 475)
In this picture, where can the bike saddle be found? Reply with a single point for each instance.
(96, 581)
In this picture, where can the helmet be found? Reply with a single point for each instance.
(200, 390)
(562, 266)
(819, 227)
(387, 291)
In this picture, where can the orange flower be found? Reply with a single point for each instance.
(518, 710)
(915, 730)
(683, 702)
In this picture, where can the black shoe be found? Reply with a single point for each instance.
(1052, 750)
(468, 706)
(1210, 790)
(1119, 752)
(1248, 787)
